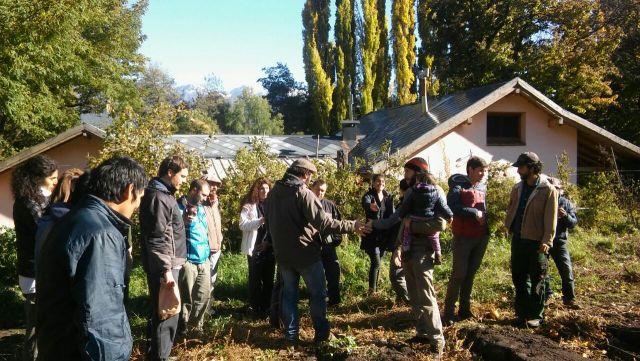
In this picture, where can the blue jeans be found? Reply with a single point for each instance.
(313, 277)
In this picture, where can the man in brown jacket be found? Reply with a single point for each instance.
(531, 218)
(214, 223)
(294, 216)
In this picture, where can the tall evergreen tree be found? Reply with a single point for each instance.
(345, 63)
(404, 55)
(370, 44)
(315, 26)
(383, 60)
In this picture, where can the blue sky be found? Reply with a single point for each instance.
(233, 39)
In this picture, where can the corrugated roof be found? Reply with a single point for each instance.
(405, 124)
(284, 146)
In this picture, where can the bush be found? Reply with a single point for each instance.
(499, 186)
(8, 257)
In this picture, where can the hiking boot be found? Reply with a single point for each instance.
(572, 305)
(437, 347)
(535, 323)
(291, 344)
(420, 339)
(465, 315)
(448, 320)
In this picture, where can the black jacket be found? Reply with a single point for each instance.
(565, 223)
(163, 239)
(81, 284)
(378, 237)
(25, 217)
(425, 201)
(327, 239)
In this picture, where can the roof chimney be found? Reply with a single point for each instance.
(424, 76)
(350, 130)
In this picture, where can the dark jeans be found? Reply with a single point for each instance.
(313, 276)
(160, 333)
(275, 311)
(396, 274)
(375, 254)
(467, 257)
(528, 272)
(29, 350)
(261, 270)
(560, 255)
(332, 273)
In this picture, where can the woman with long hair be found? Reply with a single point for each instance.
(256, 244)
(32, 184)
(70, 189)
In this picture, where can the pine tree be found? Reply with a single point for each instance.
(315, 26)
(403, 27)
(383, 61)
(344, 58)
(369, 50)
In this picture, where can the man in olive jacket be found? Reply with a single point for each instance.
(531, 218)
(294, 216)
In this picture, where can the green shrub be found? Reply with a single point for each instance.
(499, 186)
(8, 257)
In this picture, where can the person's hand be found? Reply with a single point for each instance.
(362, 228)
(397, 257)
(374, 206)
(562, 213)
(167, 280)
(544, 248)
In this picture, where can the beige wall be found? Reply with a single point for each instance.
(449, 154)
(71, 154)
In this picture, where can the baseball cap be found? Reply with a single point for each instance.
(526, 158)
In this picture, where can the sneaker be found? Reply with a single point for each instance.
(535, 323)
(572, 305)
(437, 259)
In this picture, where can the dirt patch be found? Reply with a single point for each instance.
(510, 344)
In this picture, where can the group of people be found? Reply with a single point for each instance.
(74, 236)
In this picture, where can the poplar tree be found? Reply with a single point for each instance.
(404, 56)
(315, 27)
(344, 58)
(383, 61)
(369, 51)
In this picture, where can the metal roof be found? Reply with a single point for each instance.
(404, 124)
(283, 146)
(220, 150)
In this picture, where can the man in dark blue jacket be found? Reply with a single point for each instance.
(567, 219)
(81, 275)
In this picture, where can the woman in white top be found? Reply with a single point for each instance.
(256, 244)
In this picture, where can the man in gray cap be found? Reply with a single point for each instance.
(531, 218)
(294, 216)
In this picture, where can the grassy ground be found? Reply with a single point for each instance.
(607, 272)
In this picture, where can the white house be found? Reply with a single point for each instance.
(497, 122)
